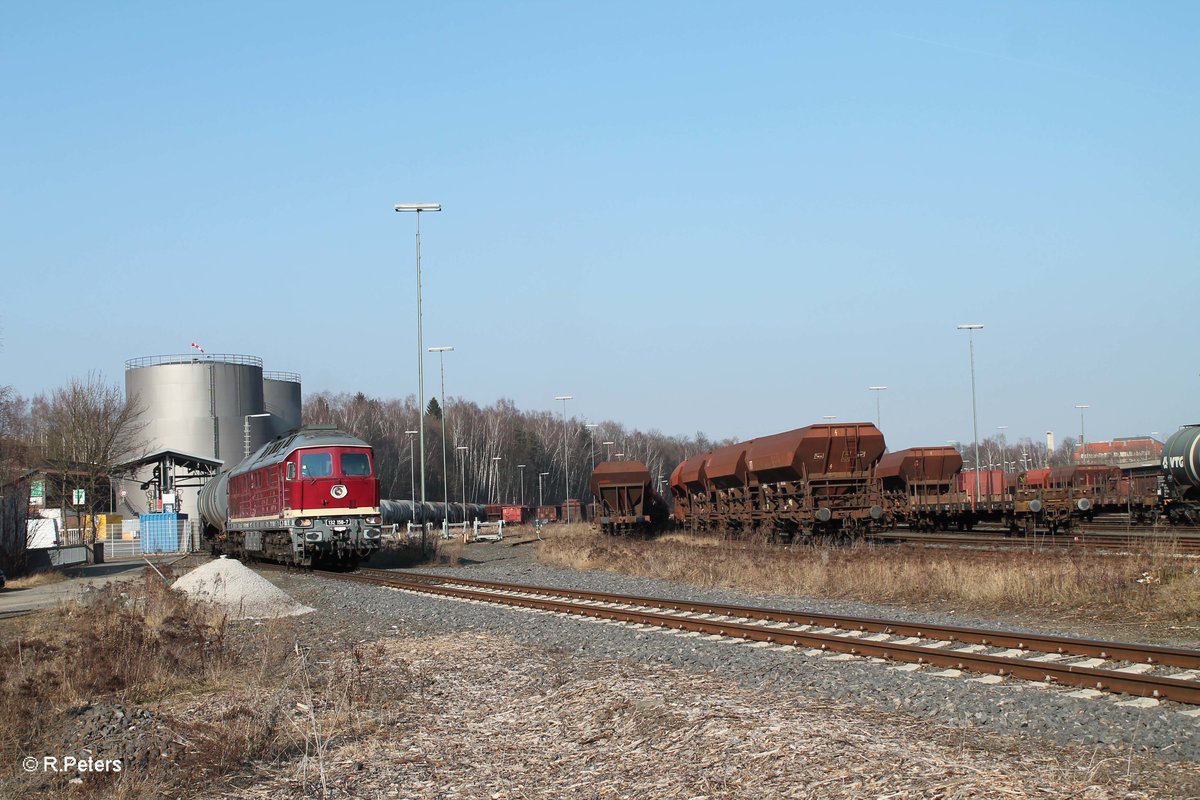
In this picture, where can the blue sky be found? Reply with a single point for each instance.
(689, 215)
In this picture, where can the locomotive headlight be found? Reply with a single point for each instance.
(304, 523)
(374, 520)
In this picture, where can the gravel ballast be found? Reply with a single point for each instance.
(1012, 707)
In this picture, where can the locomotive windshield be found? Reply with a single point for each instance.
(355, 465)
(316, 465)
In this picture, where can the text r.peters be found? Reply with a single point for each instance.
(71, 764)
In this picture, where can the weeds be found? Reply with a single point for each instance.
(1153, 586)
(37, 579)
(135, 671)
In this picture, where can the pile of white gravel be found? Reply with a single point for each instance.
(240, 591)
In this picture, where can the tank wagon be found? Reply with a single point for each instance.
(308, 498)
(402, 512)
(1181, 476)
(808, 482)
(626, 502)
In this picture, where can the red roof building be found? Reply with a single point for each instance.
(1120, 452)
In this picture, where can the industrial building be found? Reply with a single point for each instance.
(1127, 452)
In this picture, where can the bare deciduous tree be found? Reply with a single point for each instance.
(87, 427)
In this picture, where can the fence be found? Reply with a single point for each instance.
(48, 557)
(171, 536)
(128, 540)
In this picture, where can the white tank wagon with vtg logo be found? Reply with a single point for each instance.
(309, 497)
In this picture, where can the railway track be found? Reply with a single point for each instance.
(1095, 667)
(1183, 543)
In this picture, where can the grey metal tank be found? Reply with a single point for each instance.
(213, 502)
(1181, 457)
(203, 404)
(282, 400)
(400, 512)
(198, 404)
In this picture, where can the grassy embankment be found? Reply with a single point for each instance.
(1159, 587)
(184, 697)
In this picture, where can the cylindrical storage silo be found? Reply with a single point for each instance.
(282, 400)
(197, 404)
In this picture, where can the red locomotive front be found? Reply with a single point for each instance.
(310, 496)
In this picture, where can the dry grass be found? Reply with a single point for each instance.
(36, 579)
(222, 702)
(1155, 586)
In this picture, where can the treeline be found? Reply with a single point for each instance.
(496, 439)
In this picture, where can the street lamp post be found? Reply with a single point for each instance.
(412, 465)
(591, 426)
(496, 467)
(417, 208)
(246, 432)
(462, 477)
(566, 461)
(877, 390)
(970, 328)
(608, 450)
(522, 468)
(829, 418)
(441, 351)
(541, 503)
(1081, 407)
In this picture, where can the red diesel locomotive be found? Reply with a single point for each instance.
(310, 497)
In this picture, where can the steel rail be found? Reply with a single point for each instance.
(1090, 539)
(1184, 658)
(1113, 680)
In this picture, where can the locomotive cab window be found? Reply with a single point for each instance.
(356, 465)
(316, 465)
(291, 471)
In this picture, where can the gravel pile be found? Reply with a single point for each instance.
(135, 735)
(240, 591)
(1015, 707)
